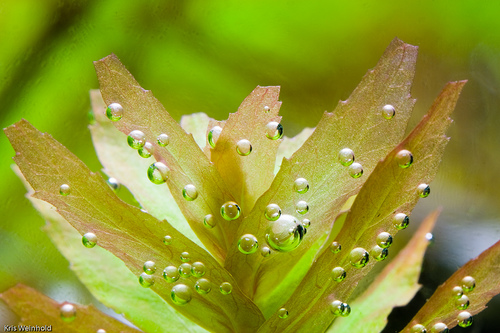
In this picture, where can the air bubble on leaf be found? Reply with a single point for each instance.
(285, 234)
(203, 286)
(346, 156)
(114, 112)
(171, 274)
(359, 257)
(418, 328)
(101, 330)
(185, 270)
(388, 111)
(146, 151)
(185, 257)
(167, 240)
(181, 294)
(301, 185)
(401, 221)
(457, 292)
(462, 303)
(198, 269)
(274, 130)
(213, 135)
(244, 147)
(89, 240)
(113, 183)
(230, 211)
(384, 240)
(338, 274)
(337, 307)
(136, 139)
(468, 284)
(355, 170)
(464, 319)
(67, 312)
(265, 251)
(158, 173)
(163, 140)
(267, 109)
(335, 247)
(404, 158)
(209, 221)
(346, 311)
(189, 192)
(302, 207)
(439, 328)
(272, 212)
(306, 223)
(146, 280)
(64, 189)
(423, 190)
(379, 253)
(149, 267)
(226, 288)
(283, 313)
(248, 244)
(430, 237)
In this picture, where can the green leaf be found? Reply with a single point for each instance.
(132, 235)
(395, 286)
(388, 191)
(96, 267)
(125, 164)
(36, 309)
(442, 306)
(357, 124)
(249, 176)
(186, 161)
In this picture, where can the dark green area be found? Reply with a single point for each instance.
(209, 55)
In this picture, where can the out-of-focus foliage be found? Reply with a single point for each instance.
(208, 55)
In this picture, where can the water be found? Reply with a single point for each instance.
(209, 221)
(146, 280)
(230, 211)
(149, 267)
(158, 173)
(190, 192)
(400, 221)
(213, 135)
(285, 234)
(301, 185)
(359, 257)
(203, 286)
(64, 189)
(171, 274)
(355, 170)
(346, 156)
(272, 212)
(302, 207)
(274, 130)
(136, 139)
(248, 244)
(404, 158)
(89, 240)
(181, 294)
(226, 288)
(388, 111)
(198, 269)
(338, 274)
(163, 140)
(68, 312)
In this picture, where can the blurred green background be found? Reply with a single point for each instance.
(209, 55)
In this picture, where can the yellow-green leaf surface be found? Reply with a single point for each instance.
(395, 286)
(290, 145)
(124, 164)
(251, 175)
(442, 306)
(388, 191)
(36, 309)
(186, 161)
(97, 267)
(196, 124)
(130, 234)
(357, 124)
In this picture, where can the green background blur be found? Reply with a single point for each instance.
(209, 55)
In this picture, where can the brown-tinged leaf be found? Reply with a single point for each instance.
(389, 190)
(442, 306)
(125, 164)
(357, 124)
(399, 279)
(132, 235)
(97, 267)
(188, 164)
(36, 309)
(248, 177)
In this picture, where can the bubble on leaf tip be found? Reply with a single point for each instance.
(213, 135)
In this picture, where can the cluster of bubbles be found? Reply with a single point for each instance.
(464, 318)
(273, 131)
(346, 158)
